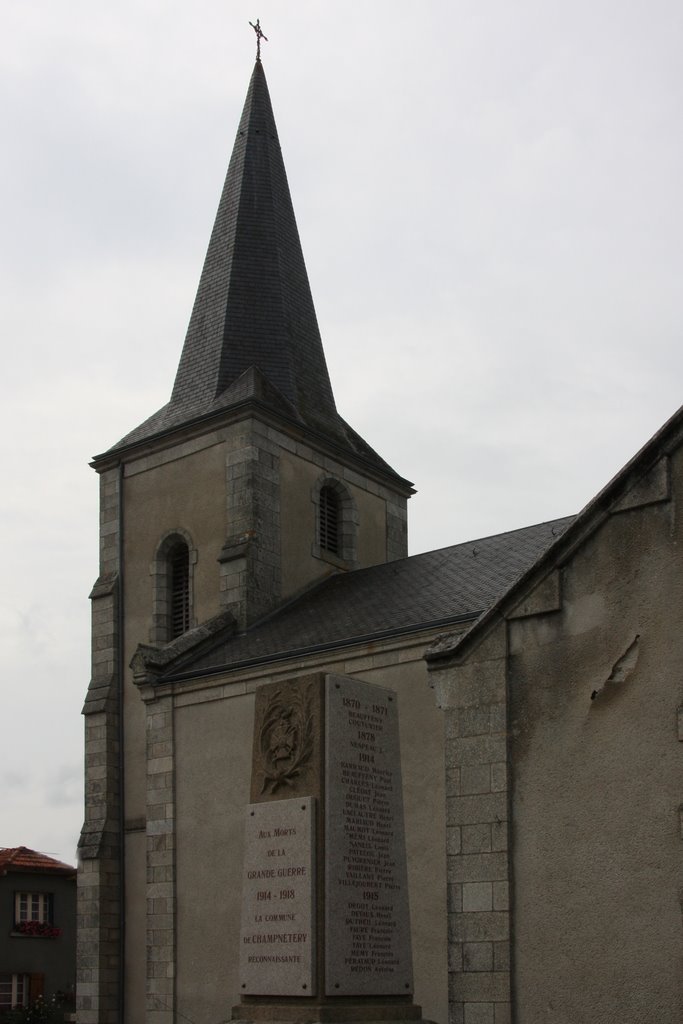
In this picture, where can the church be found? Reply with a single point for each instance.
(249, 536)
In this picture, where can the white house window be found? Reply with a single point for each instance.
(13, 991)
(33, 906)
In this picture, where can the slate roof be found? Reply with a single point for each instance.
(253, 334)
(440, 587)
(20, 858)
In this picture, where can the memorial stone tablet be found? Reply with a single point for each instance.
(367, 933)
(277, 940)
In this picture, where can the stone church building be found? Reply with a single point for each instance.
(248, 536)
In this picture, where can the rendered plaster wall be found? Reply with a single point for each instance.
(213, 760)
(597, 783)
(213, 748)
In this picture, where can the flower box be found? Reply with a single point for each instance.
(39, 929)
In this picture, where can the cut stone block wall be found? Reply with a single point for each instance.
(161, 896)
(99, 876)
(477, 829)
(251, 573)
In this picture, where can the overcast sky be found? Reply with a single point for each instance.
(489, 199)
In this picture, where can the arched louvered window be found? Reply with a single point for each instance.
(336, 523)
(179, 588)
(172, 573)
(329, 520)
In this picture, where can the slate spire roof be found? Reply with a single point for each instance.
(253, 334)
(254, 304)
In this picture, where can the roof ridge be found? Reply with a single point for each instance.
(23, 858)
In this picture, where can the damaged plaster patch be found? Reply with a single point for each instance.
(621, 669)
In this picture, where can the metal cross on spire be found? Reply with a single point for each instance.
(259, 36)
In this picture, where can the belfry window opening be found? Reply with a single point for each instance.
(179, 589)
(329, 520)
(172, 572)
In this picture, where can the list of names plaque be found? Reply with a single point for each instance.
(367, 935)
(277, 935)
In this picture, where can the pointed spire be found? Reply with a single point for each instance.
(253, 333)
(254, 304)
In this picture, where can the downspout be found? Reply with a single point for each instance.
(122, 834)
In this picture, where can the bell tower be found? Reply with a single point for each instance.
(253, 383)
(245, 489)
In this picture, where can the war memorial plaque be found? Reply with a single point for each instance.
(367, 933)
(277, 939)
(325, 902)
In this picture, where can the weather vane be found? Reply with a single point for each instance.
(259, 36)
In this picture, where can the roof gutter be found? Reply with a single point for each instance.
(333, 645)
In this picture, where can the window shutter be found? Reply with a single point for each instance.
(36, 987)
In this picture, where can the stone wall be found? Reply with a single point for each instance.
(565, 775)
(474, 700)
(99, 876)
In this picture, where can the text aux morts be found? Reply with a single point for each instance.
(275, 834)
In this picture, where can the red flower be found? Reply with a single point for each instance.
(40, 929)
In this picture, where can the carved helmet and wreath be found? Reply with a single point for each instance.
(285, 739)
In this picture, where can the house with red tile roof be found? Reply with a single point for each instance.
(37, 928)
